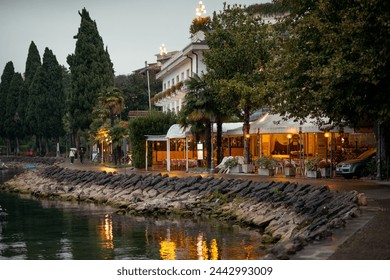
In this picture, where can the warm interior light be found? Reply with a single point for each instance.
(326, 134)
(248, 136)
(289, 136)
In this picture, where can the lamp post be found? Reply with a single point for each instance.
(289, 136)
(212, 121)
(147, 75)
(326, 135)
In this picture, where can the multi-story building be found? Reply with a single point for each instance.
(174, 71)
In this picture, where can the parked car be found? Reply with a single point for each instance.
(355, 167)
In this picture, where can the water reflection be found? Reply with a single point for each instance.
(185, 244)
(45, 229)
(105, 232)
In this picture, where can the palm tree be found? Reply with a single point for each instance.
(111, 102)
(199, 110)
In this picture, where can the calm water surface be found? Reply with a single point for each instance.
(46, 229)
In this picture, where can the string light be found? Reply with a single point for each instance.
(201, 10)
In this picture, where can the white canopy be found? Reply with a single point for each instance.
(177, 131)
(274, 123)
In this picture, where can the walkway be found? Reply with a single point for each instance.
(364, 238)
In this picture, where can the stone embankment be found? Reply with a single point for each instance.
(289, 215)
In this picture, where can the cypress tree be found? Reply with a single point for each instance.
(33, 63)
(46, 101)
(6, 79)
(91, 69)
(13, 127)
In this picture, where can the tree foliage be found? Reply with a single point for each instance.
(46, 100)
(6, 79)
(91, 69)
(154, 123)
(239, 45)
(135, 89)
(334, 61)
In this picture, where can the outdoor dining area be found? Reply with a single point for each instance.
(284, 146)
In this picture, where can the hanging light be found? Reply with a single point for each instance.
(201, 10)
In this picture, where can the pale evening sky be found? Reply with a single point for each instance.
(132, 30)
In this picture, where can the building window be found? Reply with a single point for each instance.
(188, 73)
(182, 76)
(177, 79)
(169, 84)
(173, 81)
(165, 86)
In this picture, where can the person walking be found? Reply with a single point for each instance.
(71, 155)
(82, 152)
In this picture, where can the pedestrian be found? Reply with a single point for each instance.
(71, 155)
(82, 151)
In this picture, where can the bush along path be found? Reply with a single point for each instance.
(289, 215)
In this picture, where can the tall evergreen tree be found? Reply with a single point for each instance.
(91, 69)
(13, 127)
(6, 79)
(33, 63)
(46, 101)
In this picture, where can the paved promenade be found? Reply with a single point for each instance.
(364, 238)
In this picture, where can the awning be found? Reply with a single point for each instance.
(275, 123)
(177, 131)
(156, 138)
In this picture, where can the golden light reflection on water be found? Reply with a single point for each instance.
(177, 244)
(106, 233)
(168, 248)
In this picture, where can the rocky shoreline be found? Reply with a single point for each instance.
(289, 215)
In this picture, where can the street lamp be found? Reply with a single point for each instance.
(147, 76)
(289, 136)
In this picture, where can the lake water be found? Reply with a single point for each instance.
(46, 229)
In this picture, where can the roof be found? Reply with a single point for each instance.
(177, 131)
(156, 138)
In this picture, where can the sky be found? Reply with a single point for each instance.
(132, 30)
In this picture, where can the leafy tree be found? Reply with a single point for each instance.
(333, 61)
(91, 69)
(200, 24)
(6, 79)
(135, 89)
(239, 45)
(153, 123)
(111, 103)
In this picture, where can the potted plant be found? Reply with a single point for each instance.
(266, 166)
(324, 166)
(232, 165)
(289, 169)
(311, 166)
